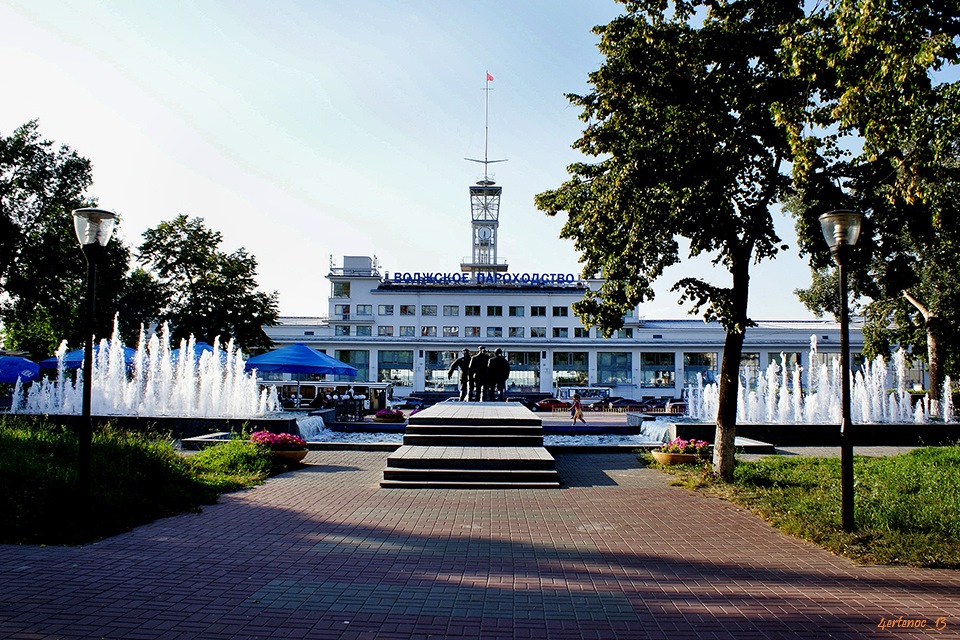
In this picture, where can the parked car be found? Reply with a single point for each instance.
(626, 403)
(550, 404)
(408, 403)
(527, 402)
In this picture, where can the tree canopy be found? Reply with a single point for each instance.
(682, 122)
(206, 292)
(879, 134)
(42, 270)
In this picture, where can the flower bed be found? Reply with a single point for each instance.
(389, 415)
(278, 441)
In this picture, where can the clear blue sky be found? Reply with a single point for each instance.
(305, 129)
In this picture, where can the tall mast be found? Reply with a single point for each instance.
(484, 207)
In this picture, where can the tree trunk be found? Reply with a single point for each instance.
(935, 363)
(932, 324)
(724, 449)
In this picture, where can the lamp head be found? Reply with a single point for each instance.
(841, 228)
(93, 226)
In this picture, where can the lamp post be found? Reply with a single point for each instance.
(841, 230)
(94, 228)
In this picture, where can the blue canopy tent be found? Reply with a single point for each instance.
(299, 358)
(74, 359)
(13, 368)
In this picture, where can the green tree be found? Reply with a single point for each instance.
(208, 293)
(42, 270)
(682, 121)
(880, 135)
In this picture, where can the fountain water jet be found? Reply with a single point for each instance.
(156, 384)
(779, 397)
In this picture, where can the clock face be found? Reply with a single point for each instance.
(483, 233)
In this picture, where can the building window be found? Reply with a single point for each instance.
(494, 332)
(614, 368)
(570, 368)
(385, 331)
(364, 330)
(538, 332)
(451, 309)
(308, 333)
(428, 310)
(657, 370)
(341, 311)
(471, 310)
(471, 332)
(516, 312)
(538, 312)
(580, 332)
(385, 310)
(699, 364)
(451, 332)
(560, 312)
(750, 369)
(428, 332)
(408, 309)
(516, 332)
(623, 333)
(341, 330)
(341, 289)
(365, 310)
(560, 332)
(395, 367)
(494, 311)
(406, 332)
(360, 360)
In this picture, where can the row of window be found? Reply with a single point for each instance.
(471, 332)
(449, 310)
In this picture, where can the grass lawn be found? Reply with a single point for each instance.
(135, 478)
(907, 506)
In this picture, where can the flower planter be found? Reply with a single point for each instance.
(290, 456)
(675, 458)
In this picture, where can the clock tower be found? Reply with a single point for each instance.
(484, 211)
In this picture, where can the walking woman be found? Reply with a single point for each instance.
(577, 409)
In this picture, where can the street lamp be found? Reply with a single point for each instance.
(94, 228)
(841, 230)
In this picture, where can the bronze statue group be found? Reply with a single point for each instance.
(483, 377)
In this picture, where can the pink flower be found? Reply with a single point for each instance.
(278, 441)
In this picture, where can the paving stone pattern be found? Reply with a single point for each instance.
(323, 552)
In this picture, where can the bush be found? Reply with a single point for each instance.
(135, 478)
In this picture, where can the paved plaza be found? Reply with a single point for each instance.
(323, 552)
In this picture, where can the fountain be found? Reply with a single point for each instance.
(158, 383)
(778, 397)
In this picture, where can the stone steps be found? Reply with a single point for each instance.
(472, 446)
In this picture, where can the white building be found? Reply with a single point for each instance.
(407, 330)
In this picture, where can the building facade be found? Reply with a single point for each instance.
(407, 328)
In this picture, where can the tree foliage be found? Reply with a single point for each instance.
(206, 292)
(42, 270)
(879, 134)
(682, 124)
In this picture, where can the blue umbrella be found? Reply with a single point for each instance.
(15, 367)
(299, 358)
(74, 359)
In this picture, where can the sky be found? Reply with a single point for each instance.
(305, 131)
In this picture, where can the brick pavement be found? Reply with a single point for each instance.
(323, 552)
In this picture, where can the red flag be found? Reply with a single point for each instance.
(489, 77)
